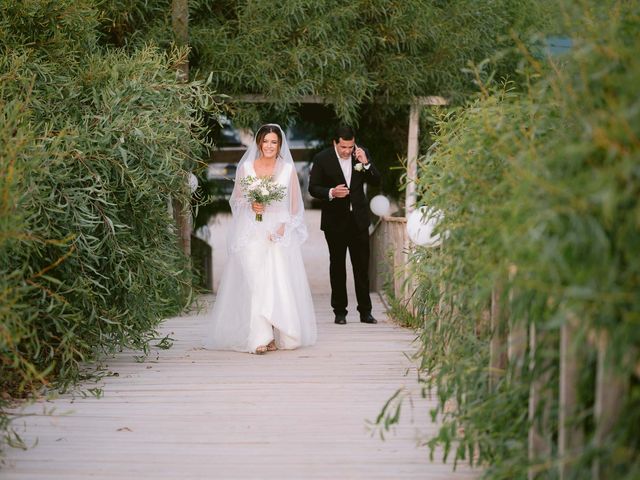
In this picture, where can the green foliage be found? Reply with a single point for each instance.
(540, 191)
(59, 30)
(94, 144)
(353, 52)
(135, 21)
(370, 58)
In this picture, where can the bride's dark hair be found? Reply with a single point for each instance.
(264, 131)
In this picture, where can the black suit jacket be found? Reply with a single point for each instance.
(326, 174)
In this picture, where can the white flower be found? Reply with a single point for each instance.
(359, 167)
(264, 191)
(254, 185)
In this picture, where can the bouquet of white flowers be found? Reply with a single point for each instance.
(262, 190)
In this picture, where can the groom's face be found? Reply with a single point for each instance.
(344, 147)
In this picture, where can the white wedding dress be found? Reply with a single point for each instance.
(264, 292)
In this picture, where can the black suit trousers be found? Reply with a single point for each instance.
(357, 242)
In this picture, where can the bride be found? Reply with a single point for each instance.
(263, 301)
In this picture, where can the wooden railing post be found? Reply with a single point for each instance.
(397, 242)
(374, 257)
(382, 258)
(389, 258)
(539, 397)
(409, 280)
(570, 435)
(517, 336)
(202, 261)
(442, 292)
(611, 391)
(412, 158)
(497, 346)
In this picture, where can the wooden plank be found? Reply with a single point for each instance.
(429, 100)
(395, 219)
(283, 415)
(260, 98)
(190, 413)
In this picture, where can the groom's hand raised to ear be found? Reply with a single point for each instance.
(339, 191)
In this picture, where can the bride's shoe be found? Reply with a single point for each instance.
(272, 346)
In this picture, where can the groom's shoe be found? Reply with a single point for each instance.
(341, 318)
(368, 319)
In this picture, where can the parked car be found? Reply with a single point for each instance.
(221, 177)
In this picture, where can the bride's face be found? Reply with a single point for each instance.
(270, 145)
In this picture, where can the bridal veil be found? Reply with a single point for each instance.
(264, 292)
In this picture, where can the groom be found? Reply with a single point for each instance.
(337, 178)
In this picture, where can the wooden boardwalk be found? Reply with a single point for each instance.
(189, 413)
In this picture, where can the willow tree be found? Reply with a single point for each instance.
(93, 143)
(367, 58)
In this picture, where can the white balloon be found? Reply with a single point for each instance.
(380, 205)
(420, 226)
(193, 182)
(203, 233)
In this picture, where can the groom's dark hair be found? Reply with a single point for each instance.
(343, 132)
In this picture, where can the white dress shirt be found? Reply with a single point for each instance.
(347, 169)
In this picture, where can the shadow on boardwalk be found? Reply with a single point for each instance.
(189, 413)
